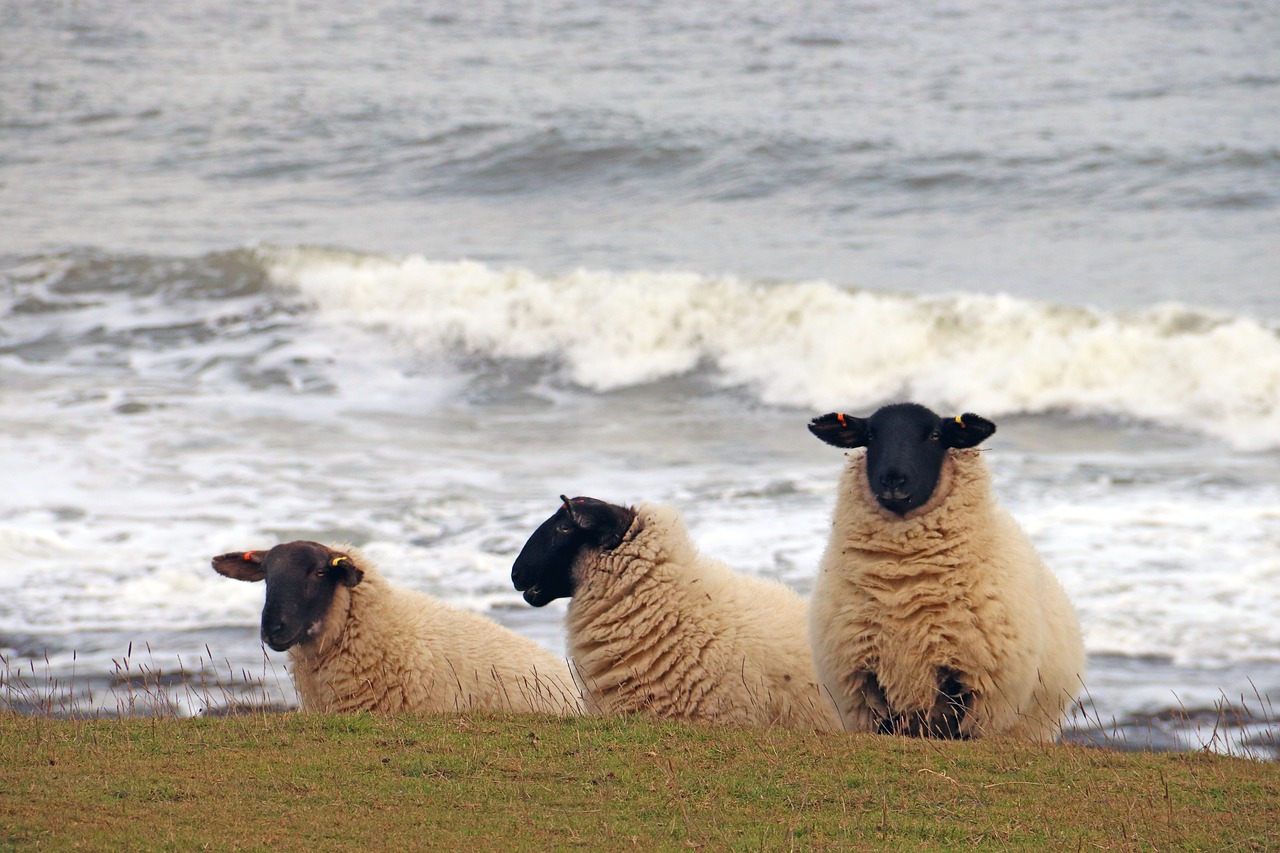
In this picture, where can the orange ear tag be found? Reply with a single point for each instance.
(840, 418)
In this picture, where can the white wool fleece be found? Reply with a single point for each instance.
(955, 583)
(390, 650)
(655, 627)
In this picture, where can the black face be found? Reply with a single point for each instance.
(906, 444)
(301, 580)
(544, 569)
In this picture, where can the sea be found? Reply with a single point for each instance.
(401, 274)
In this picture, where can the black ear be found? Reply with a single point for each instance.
(840, 430)
(604, 523)
(240, 565)
(967, 430)
(344, 570)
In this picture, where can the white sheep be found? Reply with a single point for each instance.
(655, 627)
(358, 644)
(932, 613)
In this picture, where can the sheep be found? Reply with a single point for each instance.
(932, 614)
(654, 627)
(358, 644)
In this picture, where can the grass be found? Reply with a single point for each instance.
(243, 775)
(293, 781)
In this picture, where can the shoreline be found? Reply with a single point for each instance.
(1245, 728)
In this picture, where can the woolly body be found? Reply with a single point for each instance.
(954, 585)
(653, 626)
(387, 649)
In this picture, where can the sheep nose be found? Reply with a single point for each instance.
(273, 628)
(893, 479)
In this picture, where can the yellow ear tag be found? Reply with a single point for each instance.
(337, 561)
(960, 420)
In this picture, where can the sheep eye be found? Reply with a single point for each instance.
(564, 528)
(935, 435)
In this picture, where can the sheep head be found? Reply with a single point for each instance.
(301, 577)
(544, 569)
(906, 444)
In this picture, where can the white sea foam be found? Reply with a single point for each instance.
(1197, 582)
(816, 345)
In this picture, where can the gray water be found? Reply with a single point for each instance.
(1105, 153)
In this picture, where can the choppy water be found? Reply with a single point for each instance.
(401, 276)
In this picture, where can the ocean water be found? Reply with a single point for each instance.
(400, 276)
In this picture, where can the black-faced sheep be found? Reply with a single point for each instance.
(358, 644)
(655, 627)
(932, 613)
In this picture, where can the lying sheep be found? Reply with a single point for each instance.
(358, 644)
(932, 613)
(653, 626)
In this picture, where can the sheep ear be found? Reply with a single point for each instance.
(605, 523)
(240, 565)
(568, 508)
(585, 513)
(345, 569)
(840, 430)
(967, 430)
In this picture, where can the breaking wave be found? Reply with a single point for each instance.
(816, 345)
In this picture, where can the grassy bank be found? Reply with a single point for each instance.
(293, 782)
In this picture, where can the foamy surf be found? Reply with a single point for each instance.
(813, 344)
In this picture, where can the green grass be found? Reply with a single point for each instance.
(319, 782)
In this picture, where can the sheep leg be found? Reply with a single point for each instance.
(866, 691)
(944, 719)
(947, 715)
(955, 702)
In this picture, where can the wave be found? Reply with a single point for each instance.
(812, 344)
(604, 152)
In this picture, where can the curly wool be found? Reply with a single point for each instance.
(389, 650)
(954, 584)
(655, 627)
